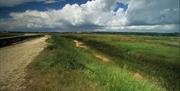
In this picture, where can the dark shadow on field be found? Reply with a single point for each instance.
(166, 72)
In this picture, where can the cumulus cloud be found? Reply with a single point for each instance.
(149, 15)
(93, 13)
(166, 28)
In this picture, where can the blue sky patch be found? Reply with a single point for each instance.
(40, 6)
(119, 5)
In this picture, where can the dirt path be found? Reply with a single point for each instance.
(82, 45)
(13, 61)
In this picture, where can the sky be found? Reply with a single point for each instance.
(90, 15)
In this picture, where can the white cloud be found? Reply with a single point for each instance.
(149, 15)
(52, 1)
(92, 13)
(166, 28)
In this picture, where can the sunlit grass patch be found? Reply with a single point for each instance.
(131, 67)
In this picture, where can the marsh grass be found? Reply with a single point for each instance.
(152, 56)
(64, 67)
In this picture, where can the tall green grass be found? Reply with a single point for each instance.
(64, 67)
(144, 54)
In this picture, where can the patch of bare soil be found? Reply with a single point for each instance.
(103, 58)
(82, 45)
(14, 60)
(137, 76)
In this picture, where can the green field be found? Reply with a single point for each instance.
(106, 62)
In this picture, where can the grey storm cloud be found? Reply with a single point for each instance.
(153, 12)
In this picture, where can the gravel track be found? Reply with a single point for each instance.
(14, 60)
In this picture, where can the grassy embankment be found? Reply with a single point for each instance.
(136, 63)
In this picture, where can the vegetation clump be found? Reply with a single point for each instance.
(135, 63)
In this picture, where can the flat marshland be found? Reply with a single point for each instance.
(106, 62)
